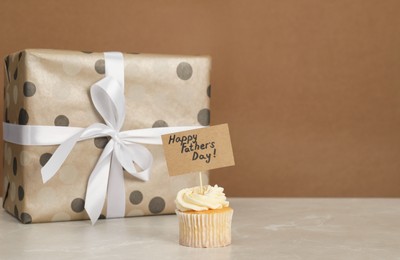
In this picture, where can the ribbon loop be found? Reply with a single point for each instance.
(108, 99)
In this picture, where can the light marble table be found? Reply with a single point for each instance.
(262, 229)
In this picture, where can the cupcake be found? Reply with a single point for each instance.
(204, 217)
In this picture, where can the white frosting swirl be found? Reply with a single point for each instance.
(194, 199)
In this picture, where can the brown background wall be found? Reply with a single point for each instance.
(311, 89)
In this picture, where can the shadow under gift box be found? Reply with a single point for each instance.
(51, 87)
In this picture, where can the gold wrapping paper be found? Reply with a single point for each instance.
(51, 87)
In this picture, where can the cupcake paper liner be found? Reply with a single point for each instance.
(209, 229)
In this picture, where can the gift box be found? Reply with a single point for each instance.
(52, 88)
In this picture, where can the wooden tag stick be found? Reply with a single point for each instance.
(201, 184)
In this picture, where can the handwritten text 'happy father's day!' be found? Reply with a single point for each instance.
(189, 144)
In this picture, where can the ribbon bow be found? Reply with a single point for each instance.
(122, 150)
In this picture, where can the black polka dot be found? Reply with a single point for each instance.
(204, 117)
(61, 120)
(209, 91)
(5, 193)
(99, 66)
(135, 197)
(6, 116)
(15, 166)
(78, 205)
(21, 193)
(16, 74)
(133, 53)
(26, 218)
(160, 123)
(23, 117)
(44, 158)
(184, 71)
(7, 61)
(29, 89)
(101, 142)
(87, 52)
(102, 216)
(16, 213)
(156, 205)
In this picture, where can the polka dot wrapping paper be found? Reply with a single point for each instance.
(51, 87)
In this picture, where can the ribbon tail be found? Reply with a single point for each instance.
(59, 156)
(65, 148)
(116, 190)
(97, 186)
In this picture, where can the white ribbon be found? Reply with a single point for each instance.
(122, 150)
